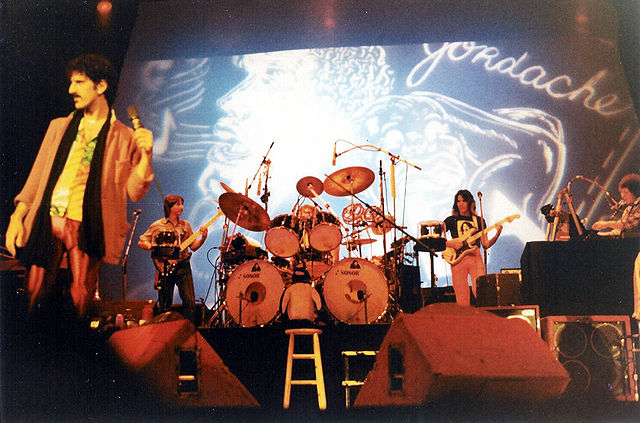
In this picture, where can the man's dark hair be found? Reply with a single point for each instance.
(97, 68)
(631, 182)
(466, 196)
(170, 201)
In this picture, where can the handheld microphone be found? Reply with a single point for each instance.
(618, 205)
(479, 194)
(333, 160)
(137, 212)
(132, 111)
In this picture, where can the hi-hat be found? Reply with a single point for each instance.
(249, 214)
(359, 241)
(306, 184)
(349, 181)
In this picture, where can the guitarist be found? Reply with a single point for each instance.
(462, 220)
(179, 275)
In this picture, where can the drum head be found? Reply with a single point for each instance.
(255, 287)
(325, 234)
(283, 238)
(355, 291)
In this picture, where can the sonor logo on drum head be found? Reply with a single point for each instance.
(256, 268)
(350, 272)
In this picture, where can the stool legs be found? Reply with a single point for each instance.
(287, 378)
(317, 360)
(322, 398)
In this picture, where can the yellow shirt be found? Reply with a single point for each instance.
(68, 194)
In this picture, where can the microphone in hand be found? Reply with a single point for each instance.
(134, 116)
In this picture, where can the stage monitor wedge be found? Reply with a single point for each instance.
(446, 350)
(178, 366)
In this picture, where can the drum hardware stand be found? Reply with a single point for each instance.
(219, 307)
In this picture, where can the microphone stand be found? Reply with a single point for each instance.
(264, 161)
(482, 229)
(126, 256)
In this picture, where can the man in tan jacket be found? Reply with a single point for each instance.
(75, 197)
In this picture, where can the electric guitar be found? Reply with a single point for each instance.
(453, 256)
(166, 267)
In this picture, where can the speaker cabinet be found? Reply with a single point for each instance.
(178, 366)
(498, 289)
(410, 294)
(527, 313)
(445, 350)
(597, 352)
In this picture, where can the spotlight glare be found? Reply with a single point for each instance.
(104, 7)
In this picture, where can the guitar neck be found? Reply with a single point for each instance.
(193, 236)
(473, 238)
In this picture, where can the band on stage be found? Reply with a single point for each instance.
(73, 205)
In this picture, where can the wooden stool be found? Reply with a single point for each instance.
(315, 356)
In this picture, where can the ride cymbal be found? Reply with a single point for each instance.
(349, 181)
(249, 214)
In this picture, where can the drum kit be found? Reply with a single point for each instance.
(304, 246)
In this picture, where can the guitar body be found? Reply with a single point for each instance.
(453, 256)
(167, 266)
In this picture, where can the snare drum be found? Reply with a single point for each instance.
(283, 237)
(325, 234)
(253, 293)
(317, 263)
(355, 291)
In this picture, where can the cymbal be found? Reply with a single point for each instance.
(359, 241)
(226, 187)
(252, 215)
(305, 184)
(349, 181)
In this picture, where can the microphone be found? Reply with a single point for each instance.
(137, 212)
(479, 194)
(253, 297)
(333, 161)
(132, 111)
(618, 205)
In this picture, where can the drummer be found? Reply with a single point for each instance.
(181, 274)
(301, 301)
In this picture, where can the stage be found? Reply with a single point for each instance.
(65, 370)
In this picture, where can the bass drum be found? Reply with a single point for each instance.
(355, 291)
(253, 293)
